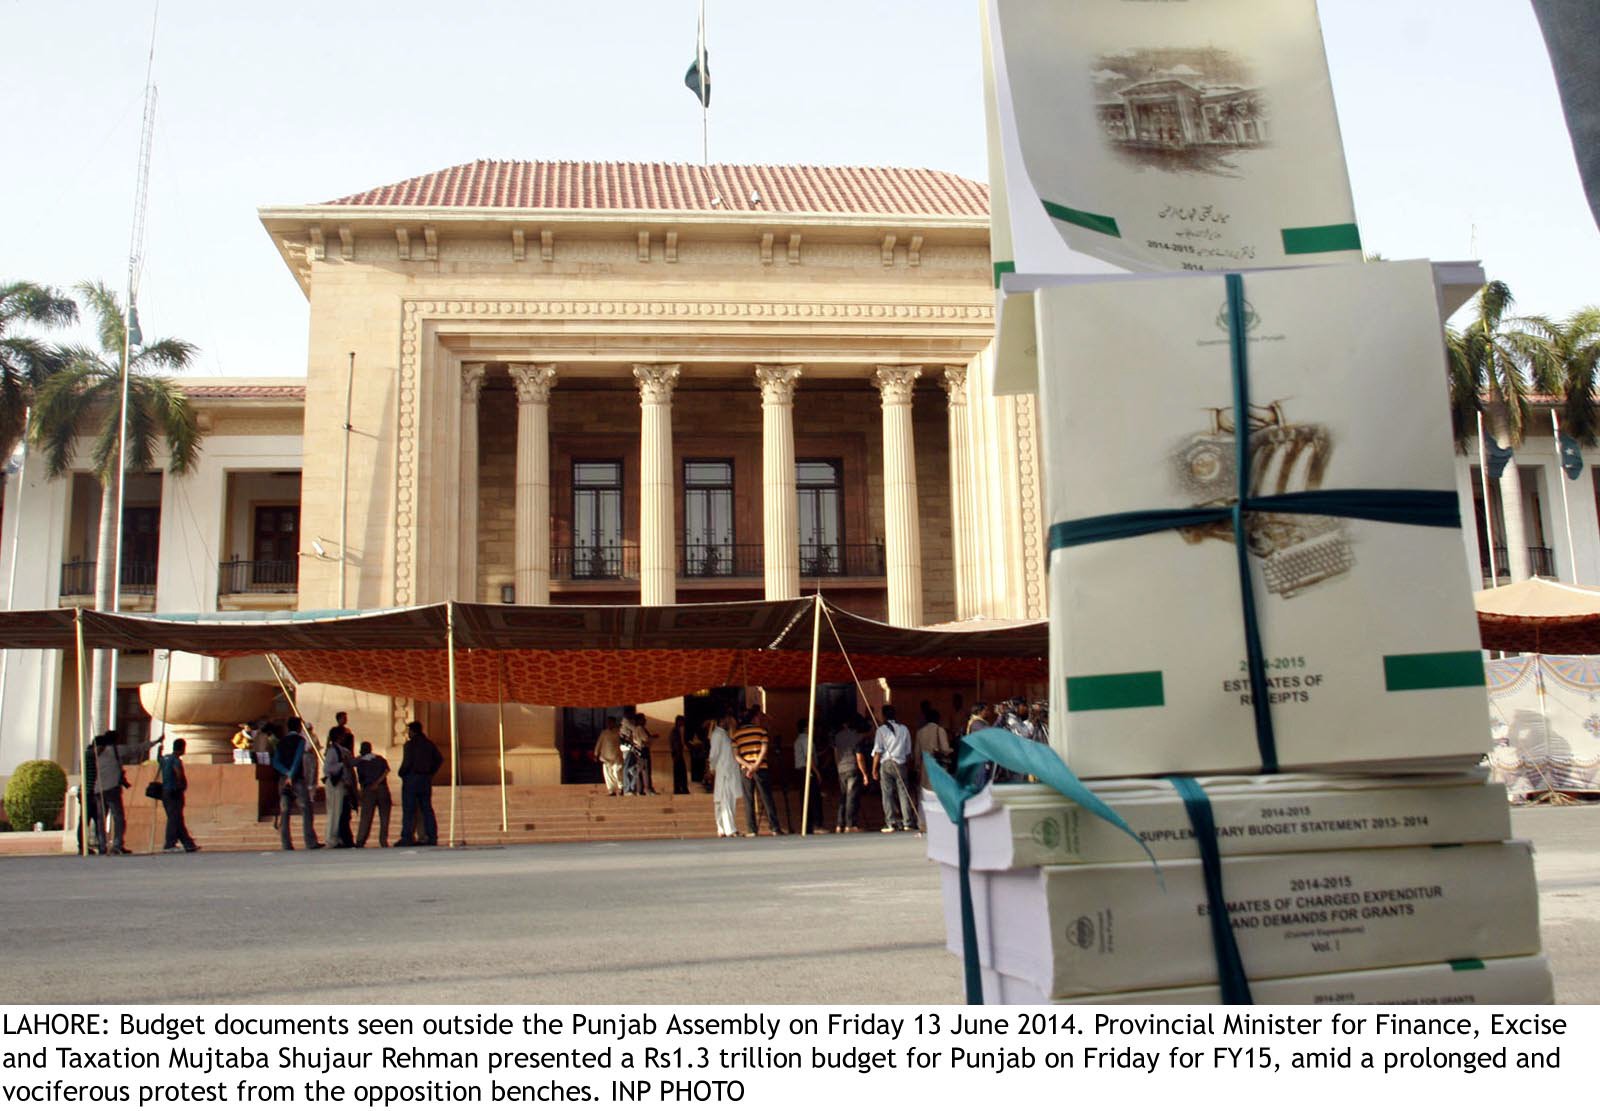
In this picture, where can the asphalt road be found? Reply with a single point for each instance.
(774, 920)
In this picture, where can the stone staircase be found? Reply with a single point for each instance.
(534, 814)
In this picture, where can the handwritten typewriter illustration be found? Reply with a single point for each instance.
(1297, 550)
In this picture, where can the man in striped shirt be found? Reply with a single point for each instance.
(751, 743)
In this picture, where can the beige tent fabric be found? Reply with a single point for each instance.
(1539, 598)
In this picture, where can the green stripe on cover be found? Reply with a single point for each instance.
(1105, 225)
(1428, 671)
(1006, 267)
(1128, 691)
(1320, 240)
(1466, 966)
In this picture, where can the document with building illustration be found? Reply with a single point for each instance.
(1022, 240)
(1184, 134)
(1368, 636)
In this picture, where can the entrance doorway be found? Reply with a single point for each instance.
(580, 729)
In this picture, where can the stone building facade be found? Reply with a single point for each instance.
(621, 383)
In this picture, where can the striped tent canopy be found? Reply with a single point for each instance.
(1540, 615)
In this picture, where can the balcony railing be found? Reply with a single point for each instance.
(620, 562)
(594, 562)
(721, 561)
(1541, 561)
(259, 576)
(77, 578)
(841, 560)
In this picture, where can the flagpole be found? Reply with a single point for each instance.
(1566, 510)
(705, 91)
(1488, 509)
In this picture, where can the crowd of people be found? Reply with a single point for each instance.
(733, 755)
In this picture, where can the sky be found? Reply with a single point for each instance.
(1451, 122)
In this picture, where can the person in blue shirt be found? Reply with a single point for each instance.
(174, 784)
(292, 760)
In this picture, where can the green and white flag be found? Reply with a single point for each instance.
(1182, 135)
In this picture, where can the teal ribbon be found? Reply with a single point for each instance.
(1235, 986)
(974, 752)
(1430, 508)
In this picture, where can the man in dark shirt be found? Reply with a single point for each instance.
(292, 761)
(419, 760)
(372, 774)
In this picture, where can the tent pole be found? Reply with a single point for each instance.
(500, 708)
(166, 696)
(455, 736)
(293, 709)
(811, 717)
(83, 730)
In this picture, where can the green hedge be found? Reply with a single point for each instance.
(36, 792)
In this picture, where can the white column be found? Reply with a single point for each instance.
(532, 548)
(1518, 565)
(963, 515)
(902, 542)
(472, 375)
(779, 510)
(657, 566)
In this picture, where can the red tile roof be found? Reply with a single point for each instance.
(685, 187)
(224, 391)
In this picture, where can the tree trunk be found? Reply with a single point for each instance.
(104, 678)
(1516, 564)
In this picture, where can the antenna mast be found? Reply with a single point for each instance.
(130, 318)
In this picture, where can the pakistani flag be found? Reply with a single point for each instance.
(698, 79)
(1571, 456)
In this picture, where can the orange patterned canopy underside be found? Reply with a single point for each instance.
(611, 677)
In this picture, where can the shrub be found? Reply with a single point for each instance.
(36, 792)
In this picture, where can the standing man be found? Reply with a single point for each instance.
(813, 782)
(292, 761)
(338, 775)
(109, 782)
(850, 761)
(933, 739)
(372, 774)
(891, 749)
(751, 745)
(174, 785)
(419, 760)
(608, 750)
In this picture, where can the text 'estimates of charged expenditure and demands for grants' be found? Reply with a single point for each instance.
(147, 1057)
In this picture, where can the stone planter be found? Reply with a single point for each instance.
(206, 714)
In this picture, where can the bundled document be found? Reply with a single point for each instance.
(1319, 395)
(1022, 826)
(1508, 981)
(1182, 135)
(1110, 928)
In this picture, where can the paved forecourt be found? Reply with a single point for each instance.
(852, 919)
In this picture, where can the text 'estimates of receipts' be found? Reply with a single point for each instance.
(410, 1056)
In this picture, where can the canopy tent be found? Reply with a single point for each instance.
(1540, 615)
(555, 655)
(561, 655)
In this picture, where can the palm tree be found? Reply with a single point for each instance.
(25, 362)
(1578, 348)
(83, 399)
(1498, 363)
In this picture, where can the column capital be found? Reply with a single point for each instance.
(472, 375)
(656, 382)
(895, 383)
(777, 382)
(533, 381)
(955, 384)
